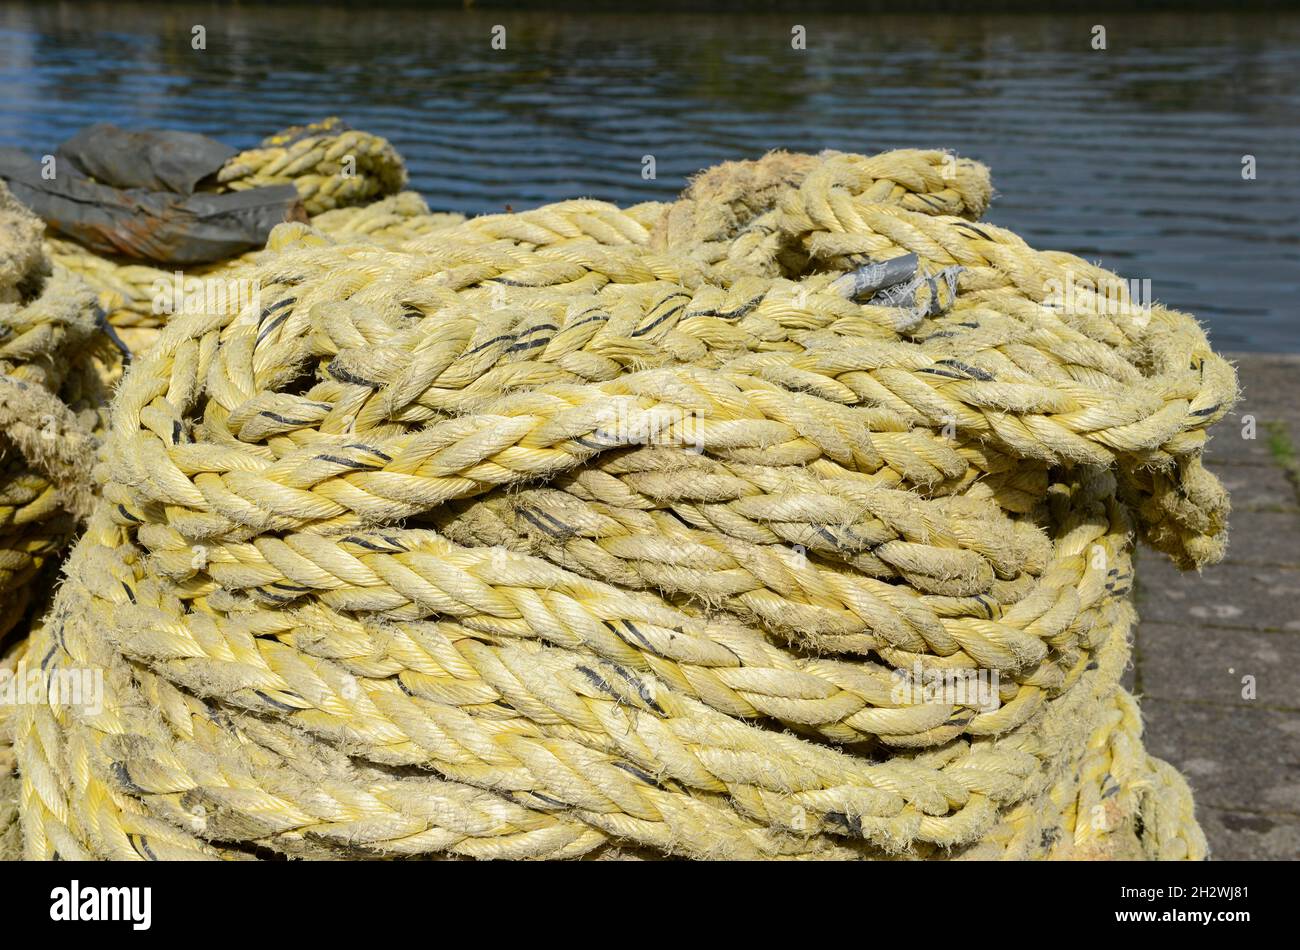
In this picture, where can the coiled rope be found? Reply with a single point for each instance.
(51, 411)
(49, 406)
(580, 531)
(127, 291)
(331, 165)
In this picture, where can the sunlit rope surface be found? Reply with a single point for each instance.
(583, 531)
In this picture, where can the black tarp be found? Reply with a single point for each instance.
(157, 161)
(141, 203)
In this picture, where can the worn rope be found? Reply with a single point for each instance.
(578, 530)
(51, 413)
(49, 406)
(331, 165)
(127, 291)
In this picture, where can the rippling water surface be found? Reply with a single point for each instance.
(1131, 156)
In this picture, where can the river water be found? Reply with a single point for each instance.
(1132, 156)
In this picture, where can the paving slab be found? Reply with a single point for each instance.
(1270, 386)
(1182, 662)
(1248, 836)
(1227, 446)
(1235, 758)
(1269, 381)
(1262, 537)
(1257, 488)
(1221, 595)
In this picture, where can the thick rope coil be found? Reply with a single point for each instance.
(50, 419)
(575, 530)
(48, 406)
(331, 165)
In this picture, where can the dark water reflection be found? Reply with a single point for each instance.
(1131, 156)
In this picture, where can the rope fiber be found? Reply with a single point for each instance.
(588, 532)
(51, 416)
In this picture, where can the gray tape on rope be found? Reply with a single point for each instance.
(873, 277)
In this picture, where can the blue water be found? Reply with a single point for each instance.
(1131, 156)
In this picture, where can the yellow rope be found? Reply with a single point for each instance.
(127, 291)
(51, 413)
(331, 165)
(580, 530)
(49, 406)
